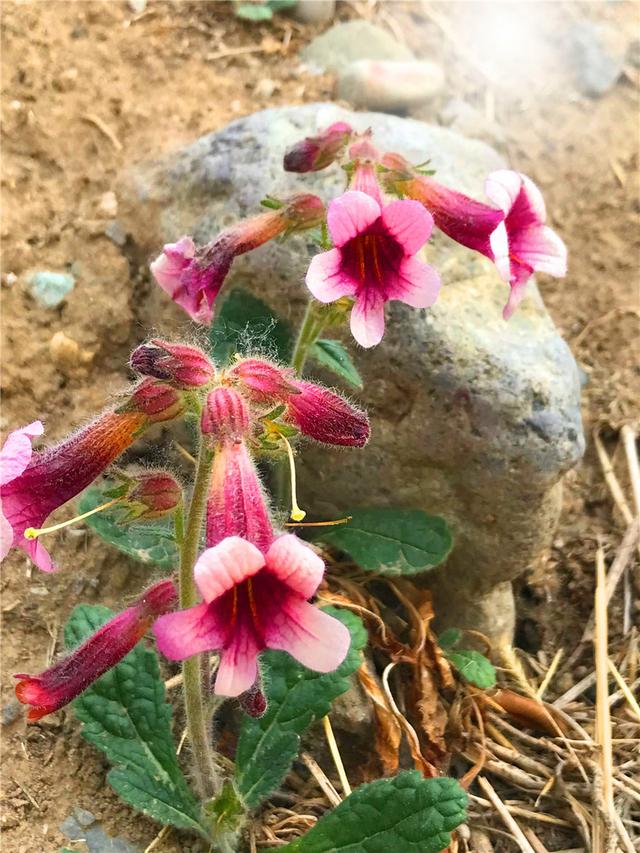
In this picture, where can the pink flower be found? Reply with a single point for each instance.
(326, 416)
(374, 260)
(14, 458)
(317, 152)
(180, 365)
(193, 276)
(56, 687)
(523, 244)
(255, 601)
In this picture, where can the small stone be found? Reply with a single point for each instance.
(313, 11)
(9, 278)
(598, 56)
(265, 88)
(66, 353)
(350, 41)
(67, 80)
(10, 713)
(108, 205)
(389, 86)
(51, 288)
(137, 6)
(116, 233)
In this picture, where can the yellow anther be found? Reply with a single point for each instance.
(34, 532)
(297, 514)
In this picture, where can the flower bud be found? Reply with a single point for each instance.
(327, 417)
(157, 400)
(181, 366)
(225, 416)
(262, 381)
(253, 701)
(317, 152)
(152, 494)
(302, 211)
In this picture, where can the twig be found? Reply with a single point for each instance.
(529, 814)
(184, 452)
(321, 778)
(603, 718)
(507, 819)
(104, 129)
(535, 842)
(624, 687)
(629, 441)
(546, 681)
(159, 837)
(611, 479)
(335, 754)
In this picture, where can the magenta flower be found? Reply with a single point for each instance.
(523, 244)
(180, 365)
(326, 416)
(56, 687)
(14, 458)
(255, 601)
(317, 152)
(374, 260)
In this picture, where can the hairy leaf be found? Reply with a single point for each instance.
(125, 715)
(151, 542)
(407, 813)
(296, 696)
(473, 666)
(333, 356)
(246, 324)
(391, 541)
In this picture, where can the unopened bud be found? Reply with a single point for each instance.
(152, 494)
(317, 152)
(182, 366)
(157, 400)
(262, 381)
(225, 416)
(302, 211)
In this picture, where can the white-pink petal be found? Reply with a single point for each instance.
(17, 451)
(325, 278)
(238, 667)
(220, 568)
(38, 554)
(319, 641)
(168, 266)
(499, 242)
(295, 564)
(535, 201)
(409, 223)
(188, 632)
(516, 295)
(417, 284)
(503, 187)
(349, 215)
(541, 248)
(367, 320)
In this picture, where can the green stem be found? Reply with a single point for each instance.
(307, 336)
(206, 776)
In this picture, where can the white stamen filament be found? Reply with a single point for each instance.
(34, 532)
(297, 514)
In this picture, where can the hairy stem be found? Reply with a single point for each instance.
(309, 330)
(206, 775)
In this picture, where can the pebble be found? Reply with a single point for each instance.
(388, 85)
(51, 288)
(598, 52)
(10, 713)
(347, 42)
(108, 205)
(66, 353)
(137, 6)
(313, 11)
(265, 88)
(116, 233)
(82, 825)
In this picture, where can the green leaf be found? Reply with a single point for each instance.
(333, 356)
(391, 541)
(473, 666)
(246, 324)
(226, 811)
(254, 12)
(449, 638)
(406, 813)
(297, 697)
(146, 542)
(124, 714)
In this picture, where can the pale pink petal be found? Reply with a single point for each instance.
(516, 295)
(350, 214)
(416, 284)
(186, 633)
(325, 278)
(503, 188)
(6, 536)
(238, 667)
(16, 451)
(409, 223)
(314, 638)
(168, 266)
(225, 565)
(295, 564)
(541, 248)
(499, 242)
(367, 320)
(38, 554)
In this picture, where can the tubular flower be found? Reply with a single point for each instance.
(193, 276)
(181, 366)
(254, 600)
(374, 260)
(56, 475)
(56, 687)
(524, 243)
(14, 458)
(317, 152)
(365, 157)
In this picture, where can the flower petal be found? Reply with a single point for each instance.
(541, 248)
(222, 567)
(409, 223)
(367, 320)
(503, 188)
(16, 451)
(188, 632)
(350, 214)
(238, 667)
(38, 554)
(295, 564)
(6, 536)
(417, 284)
(499, 243)
(168, 266)
(516, 295)
(312, 637)
(325, 278)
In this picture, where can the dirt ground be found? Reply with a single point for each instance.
(88, 87)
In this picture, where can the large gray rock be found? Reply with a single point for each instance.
(473, 418)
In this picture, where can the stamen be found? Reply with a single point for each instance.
(34, 532)
(297, 514)
(320, 523)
